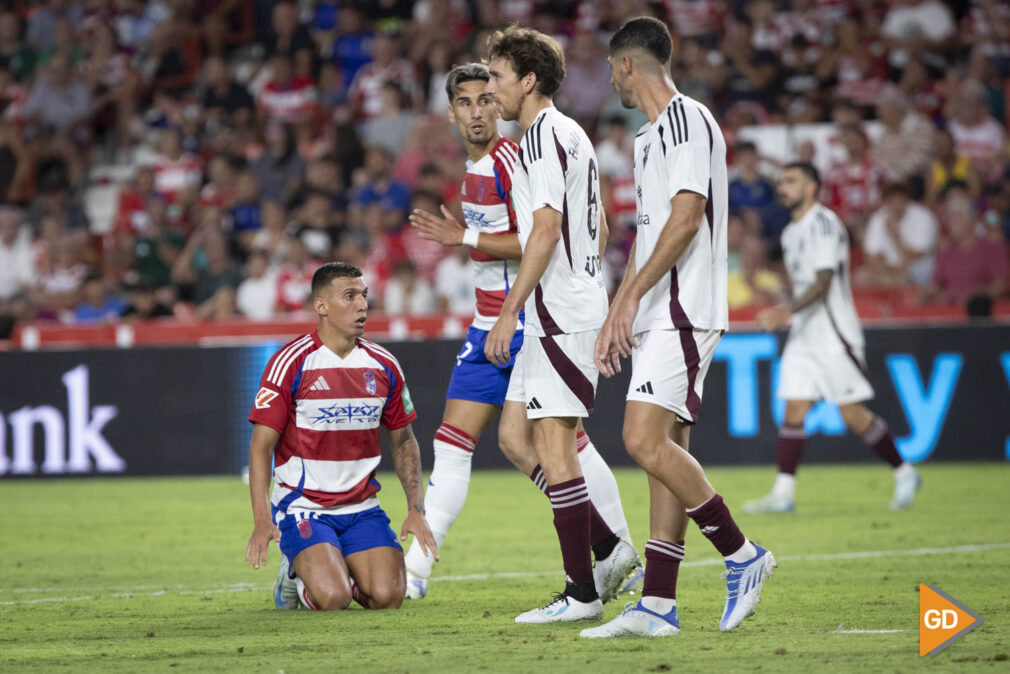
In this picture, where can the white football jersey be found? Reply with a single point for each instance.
(557, 168)
(815, 242)
(683, 150)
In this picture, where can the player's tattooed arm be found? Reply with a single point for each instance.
(815, 292)
(407, 463)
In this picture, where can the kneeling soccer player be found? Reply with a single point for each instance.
(321, 401)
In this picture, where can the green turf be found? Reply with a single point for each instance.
(148, 575)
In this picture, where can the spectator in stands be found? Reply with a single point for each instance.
(749, 281)
(57, 109)
(853, 184)
(950, 166)
(391, 127)
(280, 169)
(315, 228)
(16, 53)
(224, 101)
(290, 39)
(257, 293)
(900, 241)
(698, 71)
(968, 264)
(97, 305)
(246, 212)
(17, 265)
(58, 284)
(44, 20)
(380, 191)
(905, 149)
(157, 247)
(406, 293)
(144, 304)
(287, 97)
(587, 80)
(923, 27)
(454, 287)
(751, 72)
(113, 81)
(294, 281)
(273, 237)
(205, 268)
(977, 135)
(751, 191)
(386, 66)
(424, 253)
(15, 160)
(352, 48)
(177, 173)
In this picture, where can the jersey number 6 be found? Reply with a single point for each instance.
(593, 208)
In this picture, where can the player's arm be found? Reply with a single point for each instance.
(261, 450)
(605, 352)
(407, 464)
(535, 259)
(448, 231)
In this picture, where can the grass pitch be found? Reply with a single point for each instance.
(149, 576)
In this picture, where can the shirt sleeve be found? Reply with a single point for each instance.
(272, 405)
(399, 409)
(547, 175)
(921, 235)
(689, 168)
(824, 244)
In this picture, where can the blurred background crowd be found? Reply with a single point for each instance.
(199, 158)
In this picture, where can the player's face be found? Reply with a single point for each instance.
(474, 113)
(793, 188)
(505, 88)
(343, 306)
(619, 79)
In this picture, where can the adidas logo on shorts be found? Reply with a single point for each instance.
(645, 388)
(534, 405)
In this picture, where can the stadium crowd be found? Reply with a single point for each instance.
(200, 158)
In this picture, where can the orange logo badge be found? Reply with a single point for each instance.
(942, 620)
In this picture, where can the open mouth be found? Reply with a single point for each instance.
(360, 322)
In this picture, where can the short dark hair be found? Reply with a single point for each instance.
(329, 271)
(468, 72)
(896, 187)
(745, 146)
(644, 32)
(807, 169)
(530, 51)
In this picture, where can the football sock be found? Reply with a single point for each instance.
(790, 448)
(602, 487)
(446, 494)
(878, 436)
(570, 501)
(602, 538)
(584, 592)
(660, 605)
(662, 562)
(785, 486)
(718, 526)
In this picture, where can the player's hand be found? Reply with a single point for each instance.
(256, 551)
(499, 340)
(773, 318)
(416, 524)
(622, 316)
(605, 354)
(446, 230)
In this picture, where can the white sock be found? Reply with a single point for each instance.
(660, 605)
(746, 552)
(785, 486)
(904, 469)
(603, 490)
(446, 494)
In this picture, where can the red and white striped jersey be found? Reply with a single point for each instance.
(174, 176)
(487, 208)
(328, 411)
(293, 103)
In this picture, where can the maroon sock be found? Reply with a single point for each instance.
(570, 501)
(791, 440)
(878, 436)
(662, 562)
(602, 537)
(715, 521)
(538, 479)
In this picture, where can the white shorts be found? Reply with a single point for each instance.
(823, 374)
(555, 376)
(668, 369)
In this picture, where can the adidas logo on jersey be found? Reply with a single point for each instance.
(645, 388)
(534, 405)
(320, 385)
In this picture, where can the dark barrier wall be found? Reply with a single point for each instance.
(182, 411)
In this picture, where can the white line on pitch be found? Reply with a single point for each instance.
(247, 587)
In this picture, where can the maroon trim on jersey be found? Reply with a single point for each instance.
(565, 234)
(358, 493)
(848, 347)
(343, 382)
(522, 159)
(570, 373)
(546, 320)
(489, 302)
(692, 361)
(709, 208)
(677, 313)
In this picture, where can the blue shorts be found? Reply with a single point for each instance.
(350, 533)
(477, 379)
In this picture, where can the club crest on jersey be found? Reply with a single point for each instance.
(370, 381)
(264, 397)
